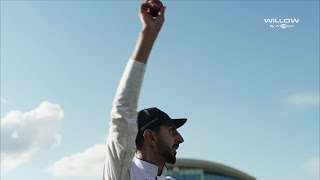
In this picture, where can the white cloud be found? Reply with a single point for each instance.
(24, 135)
(304, 99)
(88, 163)
(312, 165)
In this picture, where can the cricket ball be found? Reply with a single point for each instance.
(154, 7)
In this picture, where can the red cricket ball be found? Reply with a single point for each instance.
(154, 7)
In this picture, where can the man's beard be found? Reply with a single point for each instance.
(166, 151)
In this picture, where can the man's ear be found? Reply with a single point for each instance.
(149, 137)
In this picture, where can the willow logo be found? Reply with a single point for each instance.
(281, 23)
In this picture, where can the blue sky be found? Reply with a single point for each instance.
(250, 91)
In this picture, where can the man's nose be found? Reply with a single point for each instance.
(180, 138)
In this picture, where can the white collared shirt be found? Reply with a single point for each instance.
(143, 170)
(120, 163)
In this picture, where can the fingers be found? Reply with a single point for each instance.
(161, 13)
(150, 23)
(144, 7)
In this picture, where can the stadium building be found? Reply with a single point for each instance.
(191, 169)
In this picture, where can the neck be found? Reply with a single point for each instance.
(152, 158)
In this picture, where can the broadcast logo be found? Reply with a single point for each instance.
(281, 23)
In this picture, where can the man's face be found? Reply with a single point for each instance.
(168, 142)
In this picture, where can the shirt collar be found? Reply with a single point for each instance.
(148, 167)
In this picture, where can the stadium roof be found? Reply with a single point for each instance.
(211, 167)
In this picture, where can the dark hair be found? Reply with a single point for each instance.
(140, 138)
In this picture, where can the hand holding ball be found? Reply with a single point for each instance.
(154, 7)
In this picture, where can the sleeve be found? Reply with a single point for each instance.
(123, 127)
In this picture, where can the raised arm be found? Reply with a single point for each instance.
(149, 32)
(123, 127)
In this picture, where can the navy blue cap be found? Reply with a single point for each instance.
(151, 117)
